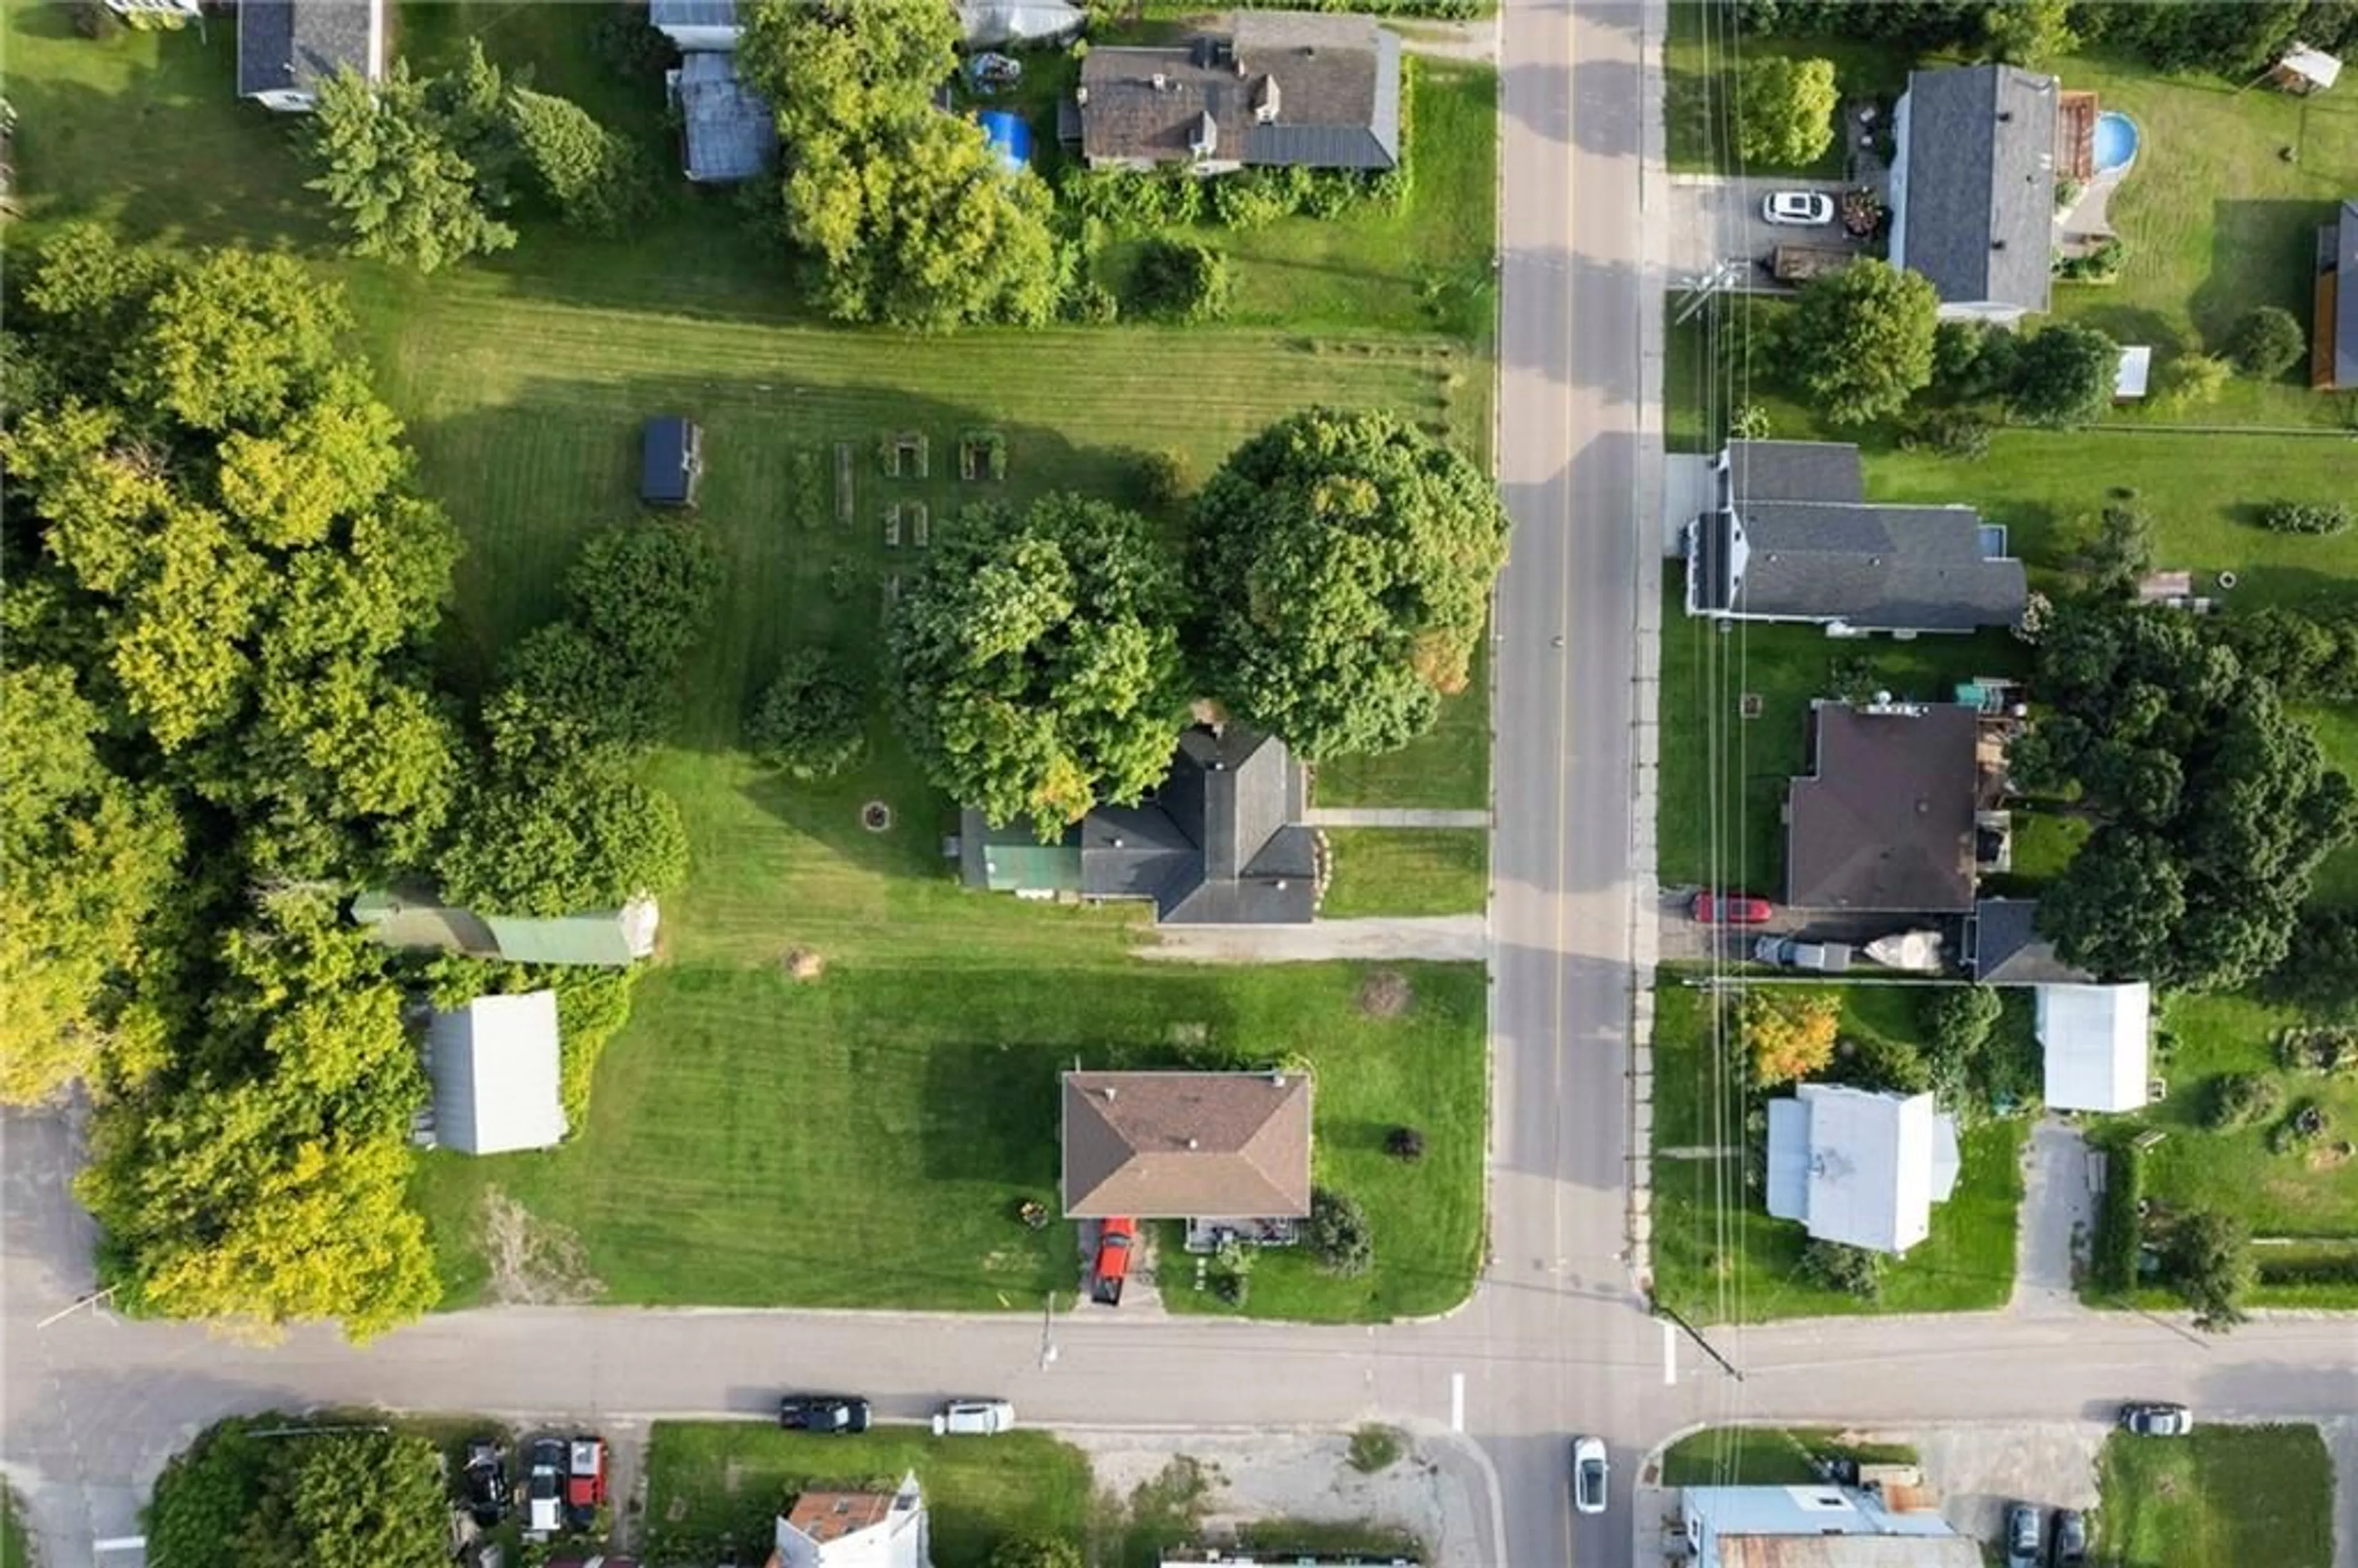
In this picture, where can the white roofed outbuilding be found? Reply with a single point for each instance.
(496, 1067)
(2096, 1043)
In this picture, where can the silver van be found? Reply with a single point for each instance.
(974, 1418)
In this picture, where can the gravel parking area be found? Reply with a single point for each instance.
(1250, 1478)
(1980, 1470)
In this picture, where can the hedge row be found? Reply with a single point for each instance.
(2120, 1229)
(2342, 1271)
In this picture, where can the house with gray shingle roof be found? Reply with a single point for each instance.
(1792, 537)
(1221, 841)
(286, 47)
(1270, 90)
(1973, 188)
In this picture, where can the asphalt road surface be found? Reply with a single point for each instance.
(1556, 1340)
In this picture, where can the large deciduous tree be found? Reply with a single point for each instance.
(1785, 111)
(1342, 565)
(2214, 807)
(318, 1499)
(394, 166)
(2064, 375)
(907, 213)
(85, 857)
(1036, 661)
(1861, 340)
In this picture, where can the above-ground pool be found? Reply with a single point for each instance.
(2116, 142)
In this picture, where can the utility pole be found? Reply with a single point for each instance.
(1701, 289)
(1696, 1334)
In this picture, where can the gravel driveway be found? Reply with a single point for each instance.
(1712, 218)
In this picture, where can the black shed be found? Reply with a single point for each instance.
(673, 461)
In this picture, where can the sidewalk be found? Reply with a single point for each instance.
(1392, 817)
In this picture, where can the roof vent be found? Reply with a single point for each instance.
(1117, 840)
(1266, 101)
(1192, 1144)
(1109, 1089)
(1160, 81)
(2006, 116)
(1997, 244)
(1281, 884)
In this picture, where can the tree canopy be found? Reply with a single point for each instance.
(394, 163)
(812, 720)
(2063, 375)
(324, 1500)
(906, 212)
(1036, 661)
(86, 857)
(1344, 564)
(2214, 807)
(1860, 339)
(597, 180)
(1785, 111)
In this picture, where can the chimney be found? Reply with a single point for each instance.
(1109, 1091)
(1266, 101)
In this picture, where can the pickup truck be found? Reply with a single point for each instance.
(1116, 1238)
(1788, 953)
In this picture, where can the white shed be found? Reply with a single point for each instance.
(494, 1064)
(2095, 1041)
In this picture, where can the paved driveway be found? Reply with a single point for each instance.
(1709, 218)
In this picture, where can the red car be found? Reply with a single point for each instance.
(585, 1482)
(1729, 909)
(1115, 1240)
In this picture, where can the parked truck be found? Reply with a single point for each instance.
(1115, 1240)
(1790, 953)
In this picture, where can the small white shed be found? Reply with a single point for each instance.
(2095, 1041)
(496, 1067)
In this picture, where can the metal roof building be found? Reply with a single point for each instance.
(2096, 1045)
(495, 1069)
(1817, 1527)
(727, 132)
(1859, 1167)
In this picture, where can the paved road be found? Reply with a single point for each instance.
(1555, 1341)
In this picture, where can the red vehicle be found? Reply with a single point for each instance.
(1116, 1238)
(1729, 909)
(585, 1482)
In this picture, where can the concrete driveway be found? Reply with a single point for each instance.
(1709, 218)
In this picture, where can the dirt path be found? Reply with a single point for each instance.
(1450, 938)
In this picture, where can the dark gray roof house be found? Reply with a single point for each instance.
(1885, 821)
(1272, 89)
(2333, 336)
(286, 47)
(1792, 537)
(1220, 842)
(2003, 947)
(1186, 1145)
(1973, 188)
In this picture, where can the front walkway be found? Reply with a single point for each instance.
(1446, 938)
(1392, 817)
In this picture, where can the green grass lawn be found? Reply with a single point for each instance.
(16, 1552)
(1447, 769)
(1766, 1455)
(1724, 775)
(1718, 1256)
(709, 1483)
(1407, 870)
(863, 1141)
(2226, 1494)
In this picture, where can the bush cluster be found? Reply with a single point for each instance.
(2239, 1099)
(1338, 1234)
(1837, 1265)
(1179, 280)
(2322, 518)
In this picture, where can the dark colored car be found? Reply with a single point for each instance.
(2157, 1420)
(486, 1478)
(2024, 1530)
(1728, 909)
(1116, 1238)
(671, 461)
(2068, 1546)
(841, 1415)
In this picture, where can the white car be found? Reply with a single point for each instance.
(1804, 209)
(1589, 1475)
(974, 1418)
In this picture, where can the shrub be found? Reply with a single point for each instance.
(91, 19)
(2238, 1099)
(2208, 1257)
(1179, 280)
(1957, 1022)
(1750, 424)
(1091, 302)
(2101, 265)
(1835, 1266)
(1163, 477)
(1337, 1234)
(1788, 1034)
(2324, 517)
(812, 721)
(1973, 359)
(1873, 1062)
(2120, 1222)
(1233, 1269)
(2305, 1124)
(1252, 199)
(1405, 1144)
(2267, 342)
(629, 44)
(1954, 433)
(2189, 380)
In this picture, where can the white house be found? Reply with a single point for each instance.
(1859, 1167)
(2095, 1041)
(855, 1530)
(495, 1069)
(1819, 1527)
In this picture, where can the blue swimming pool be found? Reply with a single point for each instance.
(2116, 142)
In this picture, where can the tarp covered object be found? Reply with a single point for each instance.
(991, 23)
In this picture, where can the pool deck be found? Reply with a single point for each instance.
(2085, 223)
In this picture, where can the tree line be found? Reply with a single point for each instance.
(2234, 38)
(221, 719)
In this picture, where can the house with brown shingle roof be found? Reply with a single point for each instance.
(1176, 1145)
(855, 1530)
(1270, 90)
(1886, 820)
